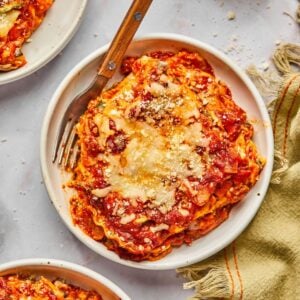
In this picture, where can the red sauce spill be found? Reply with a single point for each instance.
(93, 128)
(92, 145)
(161, 55)
(126, 67)
(112, 125)
(99, 181)
(116, 143)
(84, 218)
(194, 61)
(241, 176)
(232, 123)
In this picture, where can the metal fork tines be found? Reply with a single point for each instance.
(66, 139)
(66, 149)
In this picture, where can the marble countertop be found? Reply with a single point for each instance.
(29, 224)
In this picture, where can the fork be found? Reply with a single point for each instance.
(66, 149)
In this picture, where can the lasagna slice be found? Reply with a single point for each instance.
(18, 20)
(165, 154)
(30, 287)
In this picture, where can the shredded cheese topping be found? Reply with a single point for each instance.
(153, 162)
(165, 153)
(7, 21)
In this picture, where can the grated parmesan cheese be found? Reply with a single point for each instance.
(150, 159)
(127, 219)
(159, 227)
(154, 163)
(183, 212)
(101, 192)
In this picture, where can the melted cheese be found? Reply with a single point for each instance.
(156, 161)
(101, 192)
(8, 5)
(127, 219)
(158, 147)
(152, 165)
(151, 161)
(159, 227)
(7, 21)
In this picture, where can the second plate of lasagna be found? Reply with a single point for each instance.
(32, 32)
(175, 156)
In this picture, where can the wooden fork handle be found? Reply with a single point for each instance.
(123, 37)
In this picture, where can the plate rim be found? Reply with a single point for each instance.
(52, 54)
(268, 168)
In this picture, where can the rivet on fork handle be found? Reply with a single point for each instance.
(111, 65)
(138, 16)
(123, 37)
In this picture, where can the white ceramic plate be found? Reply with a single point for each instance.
(245, 95)
(50, 38)
(71, 273)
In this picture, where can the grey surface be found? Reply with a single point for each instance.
(29, 225)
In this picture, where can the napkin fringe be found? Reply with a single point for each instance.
(282, 166)
(285, 56)
(269, 83)
(209, 281)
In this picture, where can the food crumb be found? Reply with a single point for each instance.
(277, 42)
(265, 66)
(29, 40)
(215, 34)
(95, 34)
(231, 15)
(3, 140)
(234, 38)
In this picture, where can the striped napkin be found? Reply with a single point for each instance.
(264, 261)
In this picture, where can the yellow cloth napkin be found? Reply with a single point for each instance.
(264, 261)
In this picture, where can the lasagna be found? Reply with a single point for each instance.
(29, 287)
(165, 154)
(18, 20)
